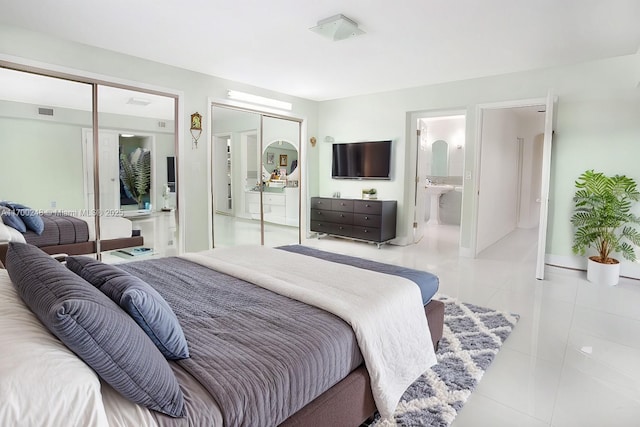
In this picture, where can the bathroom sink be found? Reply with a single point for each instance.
(438, 189)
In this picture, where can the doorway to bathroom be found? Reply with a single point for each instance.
(440, 143)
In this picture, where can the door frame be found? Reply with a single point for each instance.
(549, 102)
(413, 142)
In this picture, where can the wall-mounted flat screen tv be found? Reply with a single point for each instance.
(361, 160)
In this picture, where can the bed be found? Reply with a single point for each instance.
(64, 234)
(319, 379)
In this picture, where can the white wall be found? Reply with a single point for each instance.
(532, 131)
(497, 212)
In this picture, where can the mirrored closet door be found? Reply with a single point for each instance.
(137, 178)
(41, 177)
(76, 187)
(255, 178)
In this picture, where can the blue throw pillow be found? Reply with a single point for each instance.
(143, 303)
(95, 328)
(32, 219)
(11, 219)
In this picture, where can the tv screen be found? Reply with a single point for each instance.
(361, 160)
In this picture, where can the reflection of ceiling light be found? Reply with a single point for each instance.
(337, 27)
(261, 100)
(139, 101)
(127, 135)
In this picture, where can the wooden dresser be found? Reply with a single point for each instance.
(368, 220)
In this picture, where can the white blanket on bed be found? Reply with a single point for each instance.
(385, 311)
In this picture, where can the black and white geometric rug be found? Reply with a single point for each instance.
(471, 339)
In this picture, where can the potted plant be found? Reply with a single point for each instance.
(369, 193)
(604, 221)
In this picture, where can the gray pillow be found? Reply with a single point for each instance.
(143, 303)
(95, 328)
(10, 218)
(32, 219)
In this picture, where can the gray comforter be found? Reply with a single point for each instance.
(259, 355)
(59, 230)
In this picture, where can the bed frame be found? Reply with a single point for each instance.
(83, 248)
(350, 402)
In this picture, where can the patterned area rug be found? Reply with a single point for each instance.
(472, 337)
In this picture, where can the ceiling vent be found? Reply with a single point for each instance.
(337, 27)
(45, 111)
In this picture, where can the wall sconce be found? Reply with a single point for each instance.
(196, 128)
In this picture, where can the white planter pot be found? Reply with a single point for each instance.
(603, 274)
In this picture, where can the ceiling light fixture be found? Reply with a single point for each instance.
(337, 27)
(260, 100)
(139, 101)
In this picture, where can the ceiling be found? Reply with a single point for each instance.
(407, 43)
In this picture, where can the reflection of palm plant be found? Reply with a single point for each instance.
(135, 173)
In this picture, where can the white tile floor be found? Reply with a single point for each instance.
(574, 357)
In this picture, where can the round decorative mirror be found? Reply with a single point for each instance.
(279, 156)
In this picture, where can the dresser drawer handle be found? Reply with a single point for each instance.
(342, 204)
(368, 205)
(366, 231)
(366, 217)
(341, 215)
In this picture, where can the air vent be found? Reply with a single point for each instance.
(162, 124)
(45, 111)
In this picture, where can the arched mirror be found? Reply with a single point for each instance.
(439, 158)
(279, 163)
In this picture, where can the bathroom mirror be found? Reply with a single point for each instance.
(279, 155)
(439, 158)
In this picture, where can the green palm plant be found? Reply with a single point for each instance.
(135, 173)
(603, 217)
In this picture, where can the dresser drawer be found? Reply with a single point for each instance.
(367, 206)
(341, 217)
(342, 205)
(343, 229)
(321, 215)
(321, 203)
(322, 227)
(367, 220)
(366, 233)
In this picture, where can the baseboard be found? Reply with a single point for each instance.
(466, 252)
(627, 269)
